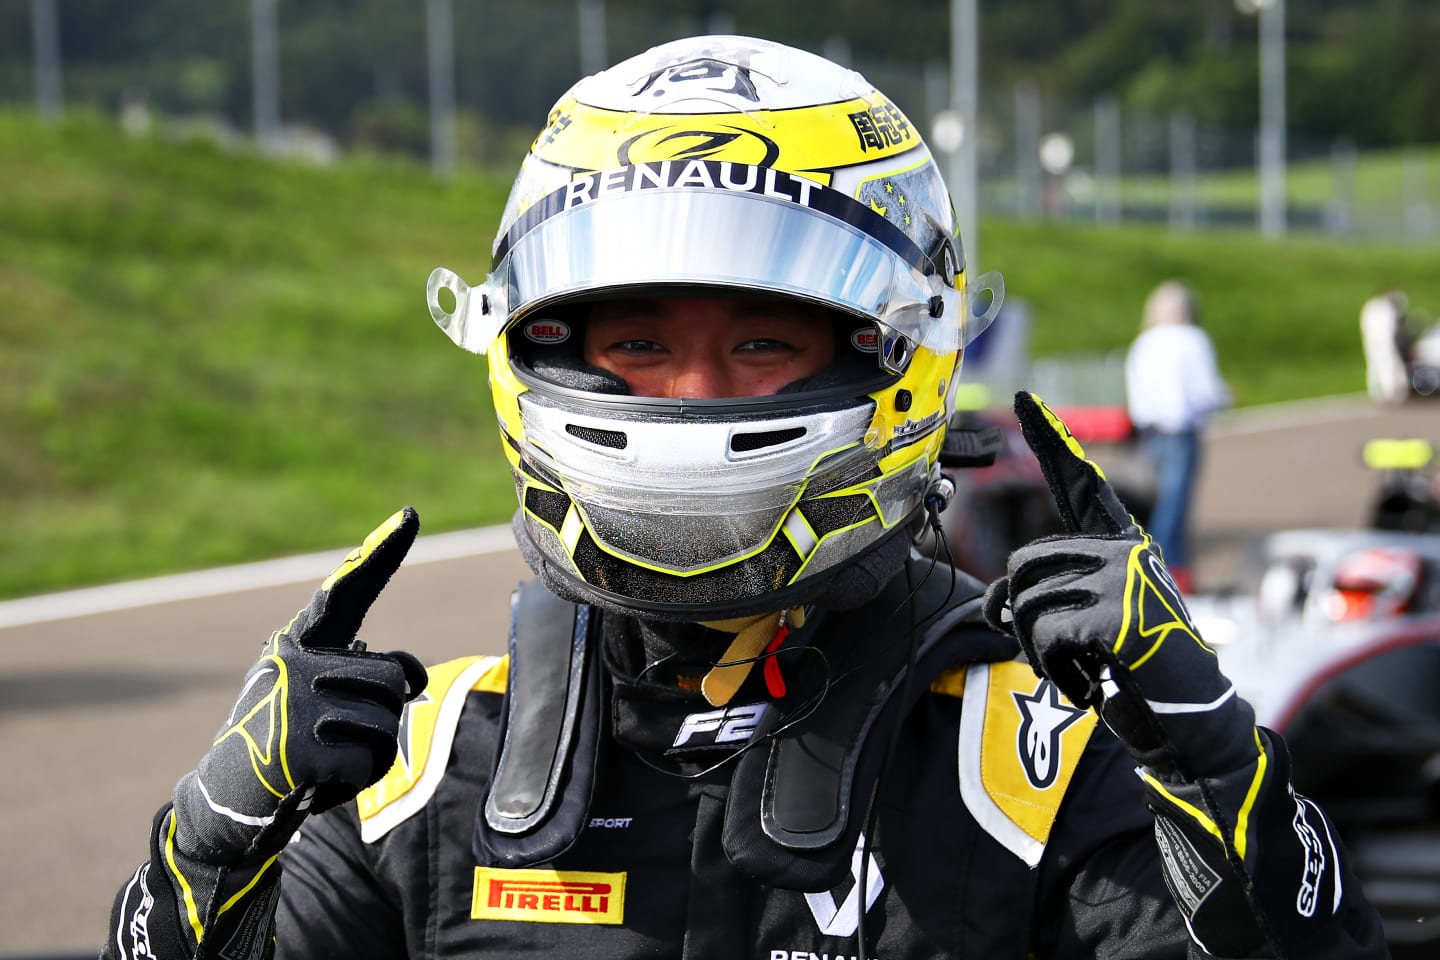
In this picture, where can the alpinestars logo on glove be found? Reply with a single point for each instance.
(1307, 898)
(1154, 603)
(262, 727)
(139, 926)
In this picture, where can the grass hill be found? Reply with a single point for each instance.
(208, 357)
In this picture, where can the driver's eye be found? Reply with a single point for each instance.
(638, 346)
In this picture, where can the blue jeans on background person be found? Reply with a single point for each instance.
(1176, 457)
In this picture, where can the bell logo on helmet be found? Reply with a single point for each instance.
(865, 339)
(547, 331)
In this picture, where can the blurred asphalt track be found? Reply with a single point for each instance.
(108, 695)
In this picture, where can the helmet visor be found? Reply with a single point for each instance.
(723, 225)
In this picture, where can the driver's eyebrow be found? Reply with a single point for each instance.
(624, 309)
(798, 312)
(747, 305)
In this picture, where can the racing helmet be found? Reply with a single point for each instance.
(720, 166)
(1373, 584)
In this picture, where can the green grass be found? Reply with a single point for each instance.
(1284, 316)
(1379, 184)
(208, 358)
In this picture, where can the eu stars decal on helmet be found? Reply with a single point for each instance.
(733, 167)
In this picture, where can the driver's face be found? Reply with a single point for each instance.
(708, 347)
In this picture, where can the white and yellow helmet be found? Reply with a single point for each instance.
(734, 166)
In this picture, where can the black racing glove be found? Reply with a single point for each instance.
(315, 722)
(1097, 612)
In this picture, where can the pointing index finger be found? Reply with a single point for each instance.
(381, 552)
(340, 604)
(1086, 501)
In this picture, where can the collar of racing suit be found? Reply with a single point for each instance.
(657, 709)
(800, 767)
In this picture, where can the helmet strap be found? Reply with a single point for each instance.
(754, 637)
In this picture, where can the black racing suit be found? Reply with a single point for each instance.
(673, 837)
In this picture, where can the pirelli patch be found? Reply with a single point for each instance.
(1020, 742)
(548, 896)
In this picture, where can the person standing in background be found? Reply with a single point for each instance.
(1384, 334)
(1173, 385)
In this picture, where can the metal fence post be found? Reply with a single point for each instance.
(1272, 118)
(45, 19)
(1182, 170)
(1339, 213)
(1027, 149)
(1417, 203)
(1107, 160)
(440, 56)
(265, 71)
(964, 97)
(593, 40)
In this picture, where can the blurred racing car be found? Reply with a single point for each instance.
(1422, 362)
(1408, 495)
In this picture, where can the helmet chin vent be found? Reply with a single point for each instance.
(613, 439)
(745, 442)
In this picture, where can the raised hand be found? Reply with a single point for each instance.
(1098, 613)
(316, 719)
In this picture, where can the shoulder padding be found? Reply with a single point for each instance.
(1020, 742)
(427, 729)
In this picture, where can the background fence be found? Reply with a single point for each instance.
(467, 86)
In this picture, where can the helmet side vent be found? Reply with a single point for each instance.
(614, 439)
(745, 442)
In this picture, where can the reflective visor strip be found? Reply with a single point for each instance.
(661, 222)
(716, 174)
(802, 536)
